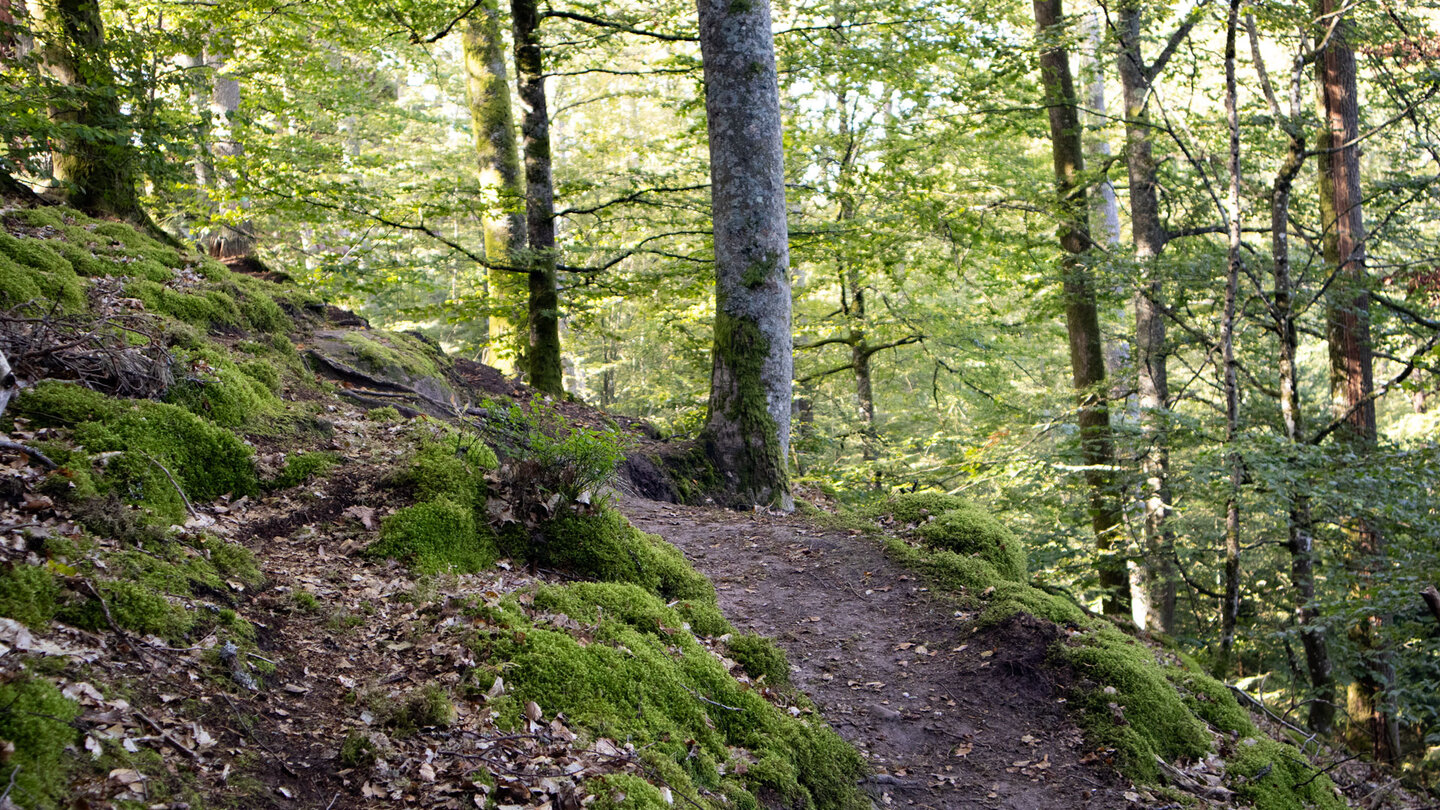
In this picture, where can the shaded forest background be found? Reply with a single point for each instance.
(1246, 511)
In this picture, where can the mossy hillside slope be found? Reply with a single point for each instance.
(632, 671)
(1128, 697)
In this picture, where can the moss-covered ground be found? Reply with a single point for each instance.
(141, 540)
(1130, 697)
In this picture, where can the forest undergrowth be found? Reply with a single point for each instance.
(258, 555)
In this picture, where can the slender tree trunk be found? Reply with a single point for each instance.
(1352, 381)
(542, 354)
(1300, 525)
(99, 174)
(1104, 206)
(234, 238)
(501, 181)
(852, 290)
(747, 434)
(1082, 321)
(1230, 609)
(1156, 571)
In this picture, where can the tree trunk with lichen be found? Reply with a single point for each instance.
(1352, 380)
(1082, 320)
(98, 174)
(1230, 606)
(542, 351)
(747, 432)
(501, 182)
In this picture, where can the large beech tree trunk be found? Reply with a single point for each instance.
(1352, 381)
(502, 185)
(1155, 574)
(542, 355)
(99, 174)
(1082, 321)
(747, 434)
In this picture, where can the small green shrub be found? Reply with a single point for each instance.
(36, 718)
(434, 536)
(556, 457)
(760, 658)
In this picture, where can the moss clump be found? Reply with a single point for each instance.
(637, 676)
(302, 467)
(971, 531)
(205, 309)
(918, 507)
(395, 352)
(258, 305)
(604, 546)
(1113, 668)
(626, 791)
(31, 271)
(134, 606)
(152, 439)
(223, 392)
(1211, 701)
(971, 576)
(428, 707)
(1274, 776)
(451, 470)
(36, 718)
(434, 536)
(383, 414)
(28, 594)
(358, 751)
(760, 658)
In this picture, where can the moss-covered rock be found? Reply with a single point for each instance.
(604, 546)
(36, 718)
(974, 532)
(918, 507)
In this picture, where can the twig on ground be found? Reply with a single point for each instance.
(189, 507)
(165, 735)
(704, 699)
(35, 455)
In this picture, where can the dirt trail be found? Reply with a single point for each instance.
(949, 717)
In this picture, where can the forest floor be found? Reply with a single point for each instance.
(948, 715)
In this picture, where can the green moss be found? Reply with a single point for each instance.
(219, 390)
(972, 576)
(636, 677)
(1211, 701)
(394, 352)
(264, 373)
(139, 245)
(604, 546)
(259, 307)
(301, 467)
(973, 532)
(1274, 776)
(36, 718)
(450, 470)
(234, 561)
(31, 271)
(760, 658)
(206, 461)
(758, 471)
(626, 791)
(306, 602)
(134, 606)
(427, 707)
(358, 751)
(918, 507)
(434, 536)
(209, 309)
(28, 594)
(384, 414)
(1112, 668)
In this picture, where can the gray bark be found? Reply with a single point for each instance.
(747, 434)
